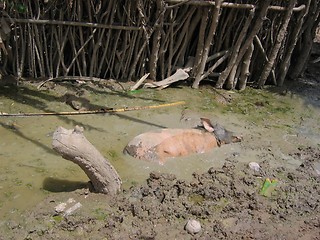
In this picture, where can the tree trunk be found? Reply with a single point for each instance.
(72, 145)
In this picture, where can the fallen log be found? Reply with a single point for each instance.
(72, 145)
(180, 74)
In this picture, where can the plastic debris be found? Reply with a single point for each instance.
(268, 187)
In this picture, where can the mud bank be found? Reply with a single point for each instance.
(226, 201)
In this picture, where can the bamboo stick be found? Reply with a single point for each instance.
(245, 68)
(100, 111)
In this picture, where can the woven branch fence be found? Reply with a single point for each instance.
(232, 43)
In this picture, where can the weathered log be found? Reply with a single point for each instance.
(73, 145)
(180, 74)
(303, 50)
(139, 82)
(232, 68)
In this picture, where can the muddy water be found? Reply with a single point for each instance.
(30, 170)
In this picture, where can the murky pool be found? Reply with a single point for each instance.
(30, 170)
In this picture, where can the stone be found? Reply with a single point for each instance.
(254, 166)
(193, 226)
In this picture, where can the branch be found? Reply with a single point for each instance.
(230, 5)
(78, 24)
(72, 145)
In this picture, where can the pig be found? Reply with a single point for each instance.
(159, 145)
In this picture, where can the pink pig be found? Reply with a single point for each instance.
(158, 145)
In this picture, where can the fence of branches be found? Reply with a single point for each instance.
(232, 43)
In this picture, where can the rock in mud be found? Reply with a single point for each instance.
(193, 226)
(254, 166)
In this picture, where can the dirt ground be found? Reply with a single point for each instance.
(228, 202)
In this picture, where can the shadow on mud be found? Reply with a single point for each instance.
(59, 185)
(306, 86)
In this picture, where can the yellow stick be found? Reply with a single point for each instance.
(106, 110)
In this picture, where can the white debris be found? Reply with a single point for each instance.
(60, 207)
(193, 226)
(71, 200)
(254, 166)
(70, 210)
(67, 207)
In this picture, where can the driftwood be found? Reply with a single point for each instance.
(138, 83)
(180, 74)
(72, 145)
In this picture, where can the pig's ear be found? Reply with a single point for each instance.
(207, 124)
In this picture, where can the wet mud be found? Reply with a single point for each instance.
(227, 202)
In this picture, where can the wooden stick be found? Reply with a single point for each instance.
(71, 78)
(292, 41)
(263, 9)
(230, 5)
(245, 72)
(78, 24)
(235, 50)
(208, 42)
(144, 77)
(280, 38)
(105, 110)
